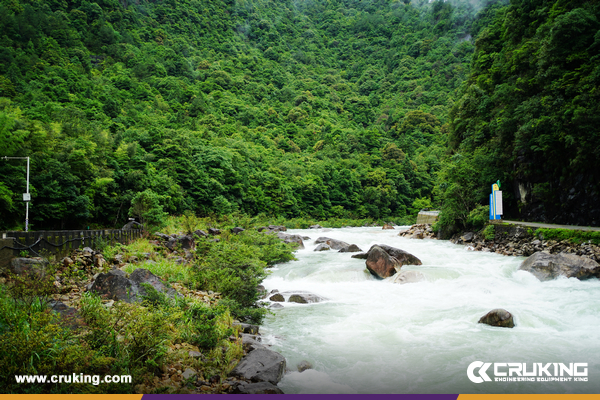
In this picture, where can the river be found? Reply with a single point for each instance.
(374, 336)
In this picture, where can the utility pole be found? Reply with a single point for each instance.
(26, 195)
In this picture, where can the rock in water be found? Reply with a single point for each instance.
(350, 249)
(287, 238)
(403, 277)
(402, 256)
(261, 365)
(277, 297)
(380, 264)
(387, 226)
(545, 266)
(384, 261)
(322, 247)
(333, 243)
(304, 365)
(302, 297)
(498, 317)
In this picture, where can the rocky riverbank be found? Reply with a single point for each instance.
(508, 240)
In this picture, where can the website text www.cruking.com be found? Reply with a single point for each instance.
(73, 378)
(479, 371)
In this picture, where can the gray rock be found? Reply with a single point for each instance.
(161, 236)
(315, 227)
(276, 305)
(189, 373)
(143, 276)
(261, 365)
(302, 297)
(29, 266)
(304, 365)
(195, 354)
(186, 241)
(545, 266)
(350, 249)
(287, 238)
(247, 328)
(333, 243)
(498, 317)
(214, 231)
(200, 233)
(257, 388)
(403, 277)
(277, 297)
(115, 285)
(237, 230)
(250, 340)
(467, 237)
(277, 228)
(322, 247)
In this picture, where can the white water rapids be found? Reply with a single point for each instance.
(374, 336)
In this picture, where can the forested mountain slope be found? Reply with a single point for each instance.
(320, 108)
(529, 115)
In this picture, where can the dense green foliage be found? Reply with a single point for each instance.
(141, 339)
(316, 109)
(529, 114)
(236, 265)
(571, 235)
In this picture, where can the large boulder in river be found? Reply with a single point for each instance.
(333, 243)
(384, 261)
(498, 317)
(287, 238)
(404, 257)
(261, 365)
(546, 266)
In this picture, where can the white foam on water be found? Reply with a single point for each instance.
(374, 336)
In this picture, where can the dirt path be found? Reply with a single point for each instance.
(552, 226)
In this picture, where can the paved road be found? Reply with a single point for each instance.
(539, 225)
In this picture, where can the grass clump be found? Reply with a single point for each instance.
(570, 235)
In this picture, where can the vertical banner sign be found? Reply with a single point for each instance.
(496, 202)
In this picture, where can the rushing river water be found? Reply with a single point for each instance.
(374, 336)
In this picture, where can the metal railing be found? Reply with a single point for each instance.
(58, 243)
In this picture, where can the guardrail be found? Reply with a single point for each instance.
(58, 243)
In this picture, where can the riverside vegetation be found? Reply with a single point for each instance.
(180, 344)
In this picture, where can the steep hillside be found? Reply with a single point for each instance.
(529, 115)
(322, 108)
